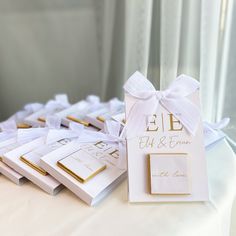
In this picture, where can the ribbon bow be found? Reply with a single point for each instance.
(174, 99)
(25, 135)
(213, 132)
(9, 129)
(61, 101)
(74, 131)
(93, 99)
(215, 127)
(8, 126)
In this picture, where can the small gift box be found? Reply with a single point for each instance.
(25, 158)
(10, 140)
(38, 118)
(13, 159)
(19, 117)
(77, 112)
(166, 158)
(91, 166)
(7, 140)
(98, 117)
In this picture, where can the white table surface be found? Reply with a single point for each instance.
(27, 210)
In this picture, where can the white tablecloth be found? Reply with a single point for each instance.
(27, 210)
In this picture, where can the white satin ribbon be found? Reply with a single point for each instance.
(33, 107)
(8, 126)
(115, 104)
(74, 131)
(213, 132)
(174, 99)
(94, 103)
(215, 127)
(25, 135)
(93, 99)
(60, 101)
(28, 109)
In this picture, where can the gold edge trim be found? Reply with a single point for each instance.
(172, 194)
(78, 120)
(41, 119)
(77, 177)
(149, 176)
(173, 153)
(33, 166)
(100, 118)
(23, 126)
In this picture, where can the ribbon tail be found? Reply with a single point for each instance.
(185, 111)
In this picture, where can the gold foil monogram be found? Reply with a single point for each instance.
(156, 123)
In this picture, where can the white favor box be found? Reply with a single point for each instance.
(93, 117)
(12, 174)
(12, 158)
(90, 192)
(33, 118)
(6, 170)
(77, 107)
(159, 137)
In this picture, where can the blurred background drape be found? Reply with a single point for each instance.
(93, 46)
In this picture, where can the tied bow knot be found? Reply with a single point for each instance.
(174, 99)
(52, 123)
(160, 95)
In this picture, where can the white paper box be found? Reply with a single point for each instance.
(93, 117)
(11, 174)
(33, 118)
(77, 107)
(90, 192)
(180, 141)
(12, 158)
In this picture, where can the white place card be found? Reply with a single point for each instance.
(81, 165)
(169, 173)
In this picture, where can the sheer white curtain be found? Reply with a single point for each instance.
(93, 46)
(165, 38)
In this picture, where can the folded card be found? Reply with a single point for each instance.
(167, 125)
(169, 173)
